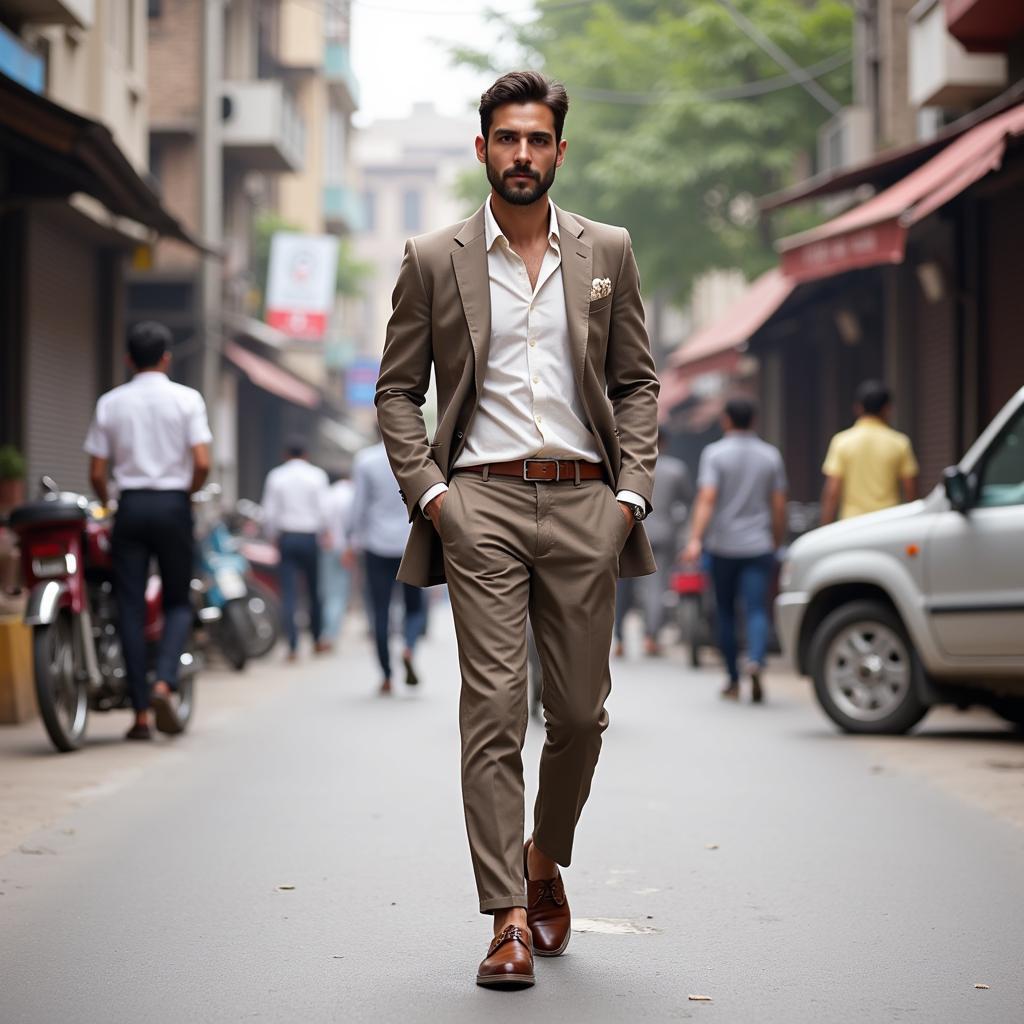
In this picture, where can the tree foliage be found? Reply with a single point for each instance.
(654, 144)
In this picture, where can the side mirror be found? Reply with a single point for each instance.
(958, 488)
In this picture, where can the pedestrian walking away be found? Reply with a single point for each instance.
(379, 528)
(739, 520)
(294, 497)
(867, 466)
(528, 499)
(152, 435)
(335, 564)
(673, 495)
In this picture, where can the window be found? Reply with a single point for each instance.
(155, 8)
(1002, 475)
(412, 214)
(370, 210)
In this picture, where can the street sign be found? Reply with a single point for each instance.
(301, 284)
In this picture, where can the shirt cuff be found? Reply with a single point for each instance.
(632, 498)
(429, 495)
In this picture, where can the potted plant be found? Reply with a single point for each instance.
(12, 477)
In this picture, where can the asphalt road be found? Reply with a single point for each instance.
(303, 859)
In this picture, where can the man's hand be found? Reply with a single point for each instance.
(693, 551)
(433, 510)
(627, 511)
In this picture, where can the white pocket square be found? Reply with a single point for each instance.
(600, 288)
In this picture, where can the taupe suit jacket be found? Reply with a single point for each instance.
(442, 317)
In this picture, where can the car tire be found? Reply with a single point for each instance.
(867, 675)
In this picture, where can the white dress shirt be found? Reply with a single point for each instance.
(338, 512)
(529, 405)
(147, 428)
(294, 497)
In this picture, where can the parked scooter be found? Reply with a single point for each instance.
(249, 625)
(79, 666)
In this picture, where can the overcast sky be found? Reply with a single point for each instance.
(399, 54)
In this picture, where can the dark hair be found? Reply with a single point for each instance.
(295, 446)
(524, 87)
(741, 412)
(147, 343)
(873, 396)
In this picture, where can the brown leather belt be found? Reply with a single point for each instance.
(549, 470)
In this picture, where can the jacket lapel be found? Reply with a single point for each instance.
(469, 260)
(577, 276)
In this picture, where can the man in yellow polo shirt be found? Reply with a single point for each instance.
(867, 465)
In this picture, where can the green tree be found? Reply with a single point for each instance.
(667, 134)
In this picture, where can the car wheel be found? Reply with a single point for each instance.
(866, 672)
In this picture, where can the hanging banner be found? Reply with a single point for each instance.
(301, 284)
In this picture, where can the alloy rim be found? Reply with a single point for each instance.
(867, 671)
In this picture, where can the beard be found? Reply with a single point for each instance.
(519, 193)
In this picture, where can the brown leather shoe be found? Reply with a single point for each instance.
(547, 911)
(509, 960)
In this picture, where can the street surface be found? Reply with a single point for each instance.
(300, 856)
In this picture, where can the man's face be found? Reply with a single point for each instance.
(520, 153)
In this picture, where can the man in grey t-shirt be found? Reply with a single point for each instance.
(739, 520)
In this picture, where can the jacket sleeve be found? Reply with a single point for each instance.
(632, 381)
(403, 382)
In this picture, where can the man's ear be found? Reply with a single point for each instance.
(562, 147)
(481, 149)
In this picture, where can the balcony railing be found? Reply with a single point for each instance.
(262, 125)
(338, 72)
(343, 209)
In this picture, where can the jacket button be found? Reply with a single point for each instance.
(458, 434)
(616, 432)
(401, 494)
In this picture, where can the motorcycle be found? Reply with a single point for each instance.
(78, 663)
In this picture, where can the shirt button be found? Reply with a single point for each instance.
(536, 380)
(533, 343)
(538, 419)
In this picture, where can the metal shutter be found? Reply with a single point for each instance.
(61, 348)
(1003, 326)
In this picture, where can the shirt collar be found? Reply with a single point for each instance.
(492, 231)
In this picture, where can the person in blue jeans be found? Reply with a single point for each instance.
(739, 522)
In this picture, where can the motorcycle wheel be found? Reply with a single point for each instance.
(265, 619)
(63, 697)
(234, 634)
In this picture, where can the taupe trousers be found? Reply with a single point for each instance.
(551, 548)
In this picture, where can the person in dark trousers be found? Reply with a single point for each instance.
(153, 436)
(294, 500)
(739, 519)
(379, 527)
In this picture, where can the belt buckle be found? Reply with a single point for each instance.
(526, 470)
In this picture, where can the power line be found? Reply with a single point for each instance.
(807, 83)
(742, 90)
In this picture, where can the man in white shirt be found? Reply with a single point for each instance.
(154, 436)
(294, 497)
(530, 496)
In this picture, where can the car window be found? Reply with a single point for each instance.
(1002, 475)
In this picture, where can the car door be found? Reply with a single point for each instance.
(976, 559)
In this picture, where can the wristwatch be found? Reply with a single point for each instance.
(639, 515)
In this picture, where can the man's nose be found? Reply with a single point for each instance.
(523, 153)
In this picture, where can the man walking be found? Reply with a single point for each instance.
(526, 498)
(673, 493)
(867, 465)
(740, 521)
(293, 505)
(379, 527)
(153, 435)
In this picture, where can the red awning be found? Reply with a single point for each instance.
(715, 348)
(876, 232)
(270, 377)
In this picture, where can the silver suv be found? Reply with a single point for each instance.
(923, 604)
